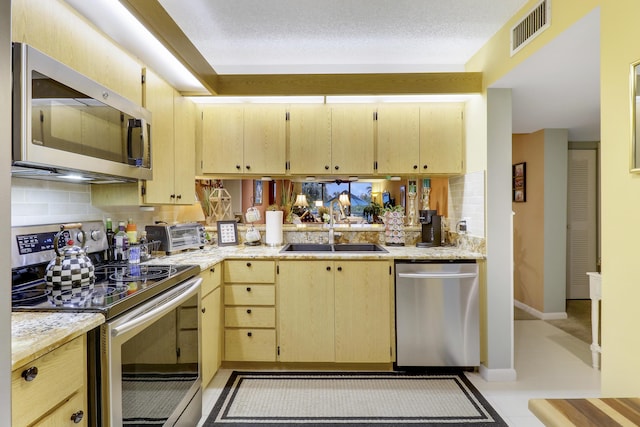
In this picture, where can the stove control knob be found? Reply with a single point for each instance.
(96, 235)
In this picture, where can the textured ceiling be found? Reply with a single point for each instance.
(339, 36)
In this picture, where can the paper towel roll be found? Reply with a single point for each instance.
(274, 228)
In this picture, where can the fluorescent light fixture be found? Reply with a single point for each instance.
(310, 178)
(118, 23)
(394, 178)
(353, 178)
(367, 99)
(266, 178)
(257, 99)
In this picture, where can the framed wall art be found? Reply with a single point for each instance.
(519, 179)
(227, 232)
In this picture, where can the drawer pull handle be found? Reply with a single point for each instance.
(30, 374)
(212, 269)
(204, 309)
(248, 289)
(249, 311)
(249, 334)
(77, 417)
(248, 264)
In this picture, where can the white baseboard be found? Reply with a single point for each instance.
(498, 375)
(540, 315)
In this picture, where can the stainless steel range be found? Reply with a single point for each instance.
(143, 362)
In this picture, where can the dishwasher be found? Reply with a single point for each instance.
(437, 314)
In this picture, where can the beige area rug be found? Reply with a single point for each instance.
(577, 323)
(351, 398)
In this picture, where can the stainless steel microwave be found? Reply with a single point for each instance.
(64, 123)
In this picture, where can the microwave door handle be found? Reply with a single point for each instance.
(131, 125)
(171, 303)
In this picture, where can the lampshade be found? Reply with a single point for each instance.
(301, 201)
(344, 200)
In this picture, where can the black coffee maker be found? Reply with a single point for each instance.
(431, 229)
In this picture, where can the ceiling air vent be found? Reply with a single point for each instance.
(531, 26)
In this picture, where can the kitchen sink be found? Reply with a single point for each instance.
(326, 247)
(358, 247)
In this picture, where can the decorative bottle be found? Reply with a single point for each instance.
(120, 243)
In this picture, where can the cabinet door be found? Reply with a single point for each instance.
(305, 311)
(184, 150)
(159, 100)
(398, 148)
(362, 311)
(265, 140)
(222, 139)
(309, 140)
(211, 335)
(441, 138)
(352, 139)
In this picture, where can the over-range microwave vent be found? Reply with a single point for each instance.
(532, 25)
(67, 175)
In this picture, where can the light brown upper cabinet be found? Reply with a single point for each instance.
(441, 138)
(309, 140)
(173, 136)
(398, 139)
(244, 140)
(352, 130)
(420, 139)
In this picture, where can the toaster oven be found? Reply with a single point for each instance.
(177, 237)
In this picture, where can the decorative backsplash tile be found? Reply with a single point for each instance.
(466, 200)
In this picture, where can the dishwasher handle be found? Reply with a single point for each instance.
(437, 275)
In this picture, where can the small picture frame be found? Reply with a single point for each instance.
(227, 232)
(257, 192)
(519, 186)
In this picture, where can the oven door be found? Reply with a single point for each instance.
(151, 362)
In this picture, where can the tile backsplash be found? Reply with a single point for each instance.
(50, 202)
(466, 200)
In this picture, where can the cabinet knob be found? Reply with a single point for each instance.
(204, 309)
(336, 167)
(328, 268)
(424, 166)
(248, 311)
(76, 417)
(339, 268)
(248, 167)
(212, 269)
(248, 289)
(248, 264)
(415, 167)
(173, 196)
(179, 196)
(249, 334)
(326, 167)
(238, 167)
(30, 374)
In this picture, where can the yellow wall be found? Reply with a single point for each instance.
(619, 46)
(528, 222)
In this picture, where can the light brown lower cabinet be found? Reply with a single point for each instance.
(335, 311)
(211, 322)
(52, 390)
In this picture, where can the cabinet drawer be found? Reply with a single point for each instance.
(212, 278)
(249, 271)
(250, 317)
(251, 345)
(249, 295)
(63, 413)
(60, 373)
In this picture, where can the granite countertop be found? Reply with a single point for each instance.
(34, 334)
(212, 255)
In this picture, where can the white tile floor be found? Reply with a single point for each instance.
(548, 362)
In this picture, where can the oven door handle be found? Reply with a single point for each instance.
(172, 300)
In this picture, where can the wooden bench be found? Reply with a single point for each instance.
(603, 412)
